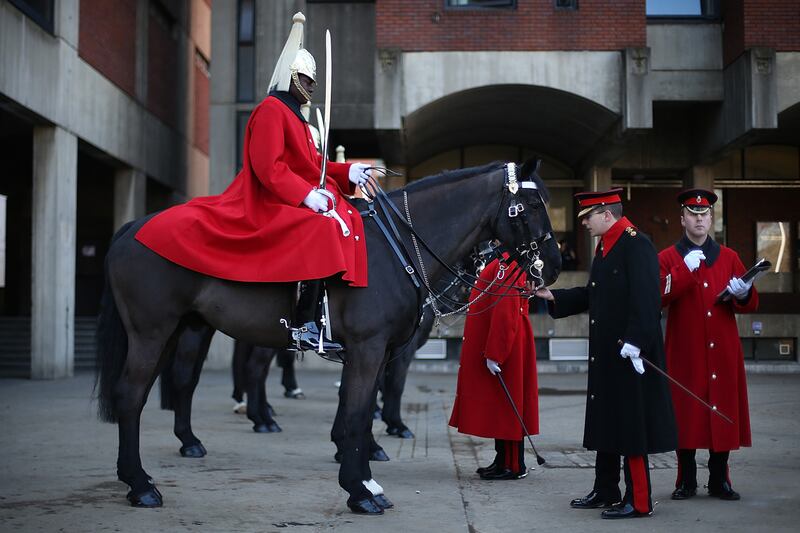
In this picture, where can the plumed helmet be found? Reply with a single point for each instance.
(282, 75)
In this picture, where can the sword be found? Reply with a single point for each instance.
(677, 383)
(539, 458)
(327, 123)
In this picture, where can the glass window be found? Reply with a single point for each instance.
(480, 3)
(566, 4)
(682, 8)
(245, 54)
(40, 11)
(241, 125)
(773, 242)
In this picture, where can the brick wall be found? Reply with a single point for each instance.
(772, 23)
(107, 40)
(162, 66)
(425, 25)
(201, 102)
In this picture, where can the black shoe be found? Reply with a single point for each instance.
(486, 469)
(593, 500)
(724, 492)
(624, 510)
(683, 492)
(306, 337)
(500, 474)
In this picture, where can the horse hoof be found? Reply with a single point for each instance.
(378, 455)
(383, 501)
(195, 450)
(149, 498)
(270, 410)
(392, 431)
(274, 428)
(365, 506)
(405, 434)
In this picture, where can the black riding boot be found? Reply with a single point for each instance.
(306, 320)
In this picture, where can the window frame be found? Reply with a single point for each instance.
(41, 20)
(241, 46)
(512, 5)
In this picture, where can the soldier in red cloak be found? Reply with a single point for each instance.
(267, 225)
(702, 344)
(498, 338)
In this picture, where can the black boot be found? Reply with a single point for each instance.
(306, 334)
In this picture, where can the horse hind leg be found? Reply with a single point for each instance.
(393, 386)
(258, 409)
(138, 375)
(190, 354)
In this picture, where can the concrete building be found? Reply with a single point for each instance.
(628, 93)
(103, 118)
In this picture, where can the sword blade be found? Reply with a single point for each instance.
(327, 122)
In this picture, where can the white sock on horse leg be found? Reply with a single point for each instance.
(373, 487)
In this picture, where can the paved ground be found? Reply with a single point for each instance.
(57, 466)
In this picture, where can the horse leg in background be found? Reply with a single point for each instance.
(190, 354)
(286, 360)
(258, 410)
(376, 452)
(393, 385)
(356, 398)
(238, 368)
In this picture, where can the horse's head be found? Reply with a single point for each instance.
(522, 223)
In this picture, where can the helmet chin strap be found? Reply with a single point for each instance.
(299, 86)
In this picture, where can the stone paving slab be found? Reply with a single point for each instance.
(57, 466)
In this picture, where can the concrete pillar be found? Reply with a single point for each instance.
(130, 198)
(700, 176)
(67, 14)
(637, 111)
(54, 211)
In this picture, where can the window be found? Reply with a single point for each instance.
(566, 4)
(40, 11)
(480, 4)
(245, 52)
(773, 242)
(682, 8)
(241, 125)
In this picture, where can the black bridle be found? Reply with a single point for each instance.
(525, 255)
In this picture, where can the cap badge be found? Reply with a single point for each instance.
(699, 199)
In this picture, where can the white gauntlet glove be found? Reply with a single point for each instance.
(629, 350)
(316, 201)
(358, 173)
(493, 367)
(739, 288)
(693, 259)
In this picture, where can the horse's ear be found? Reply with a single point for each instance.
(529, 167)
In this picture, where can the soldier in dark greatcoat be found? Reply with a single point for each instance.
(704, 352)
(628, 410)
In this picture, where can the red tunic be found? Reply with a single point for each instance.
(704, 351)
(502, 333)
(258, 230)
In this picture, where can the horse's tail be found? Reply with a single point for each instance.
(112, 346)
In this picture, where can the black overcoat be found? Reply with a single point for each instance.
(626, 413)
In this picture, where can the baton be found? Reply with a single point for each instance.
(686, 390)
(539, 458)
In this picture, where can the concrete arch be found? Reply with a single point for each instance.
(562, 125)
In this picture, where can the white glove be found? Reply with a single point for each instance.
(693, 259)
(316, 201)
(493, 367)
(739, 288)
(358, 173)
(629, 350)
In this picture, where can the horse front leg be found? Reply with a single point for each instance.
(191, 352)
(130, 393)
(356, 398)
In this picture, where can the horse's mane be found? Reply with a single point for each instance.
(450, 176)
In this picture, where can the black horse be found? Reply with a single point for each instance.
(150, 301)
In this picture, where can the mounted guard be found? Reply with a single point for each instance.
(267, 226)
